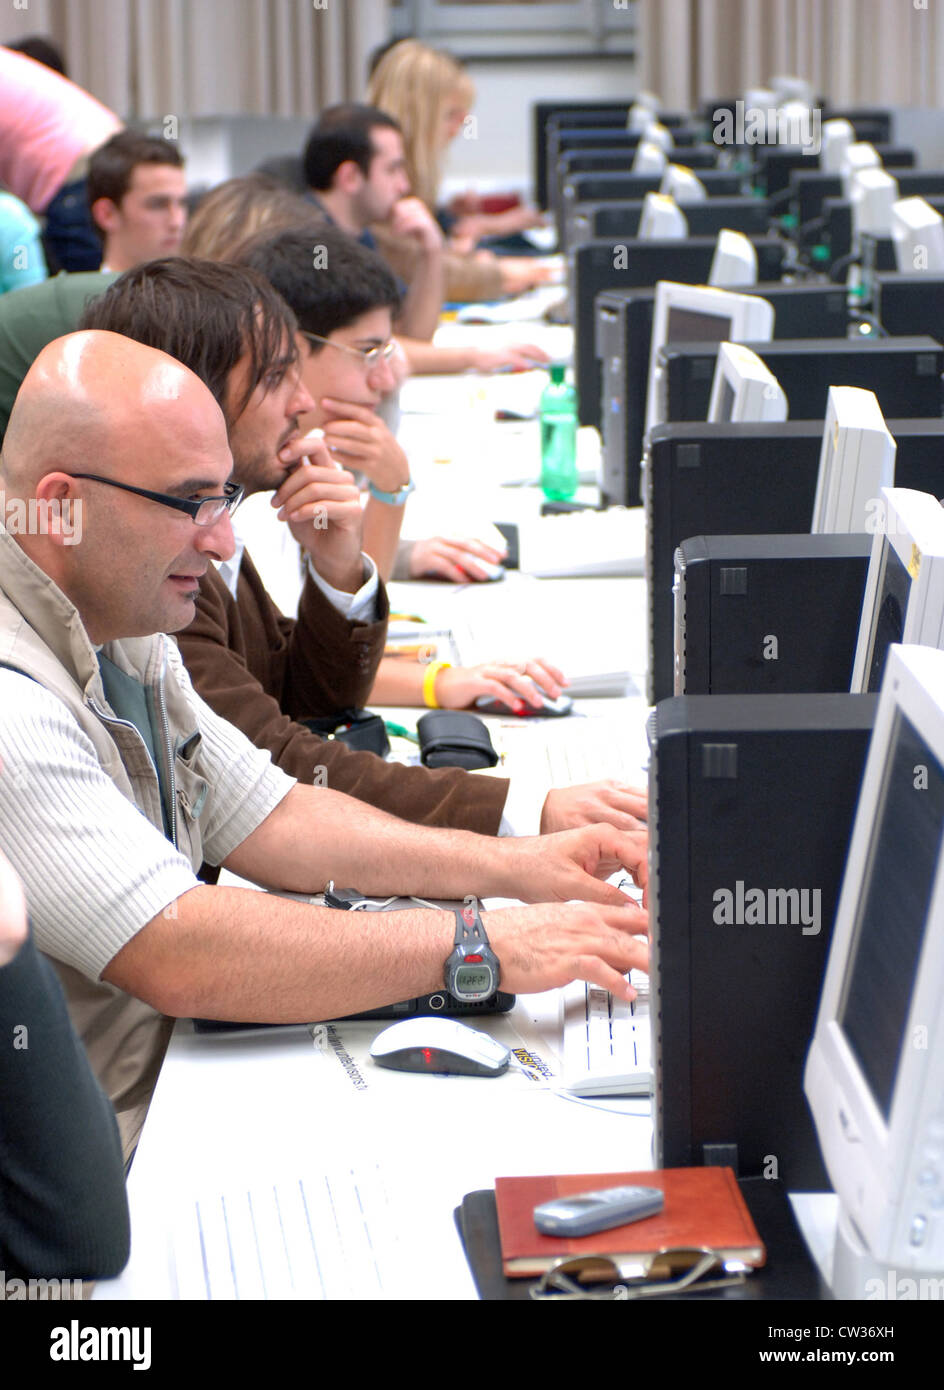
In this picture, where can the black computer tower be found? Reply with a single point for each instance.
(607, 265)
(768, 615)
(751, 805)
(721, 480)
(904, 373)
(623, 333)
(907, 303)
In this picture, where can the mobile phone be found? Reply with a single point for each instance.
(586, 1212)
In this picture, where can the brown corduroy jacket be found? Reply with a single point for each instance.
(263, 672)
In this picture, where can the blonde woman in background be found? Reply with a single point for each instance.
(431, 96)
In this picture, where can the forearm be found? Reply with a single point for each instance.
(382, 524)
(419, 315)
(427, 360)
(315, 835)
(399, 682)
(231, 953)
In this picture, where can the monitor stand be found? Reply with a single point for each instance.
(857, 1275)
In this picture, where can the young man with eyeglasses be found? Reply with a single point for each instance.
(117, 781)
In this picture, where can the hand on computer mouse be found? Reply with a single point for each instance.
(517, 689)
(457, 560)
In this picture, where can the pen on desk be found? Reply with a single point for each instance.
(406, 618)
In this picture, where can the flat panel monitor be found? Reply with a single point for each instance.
(904, 591)
(874, 1075)
(857, 459)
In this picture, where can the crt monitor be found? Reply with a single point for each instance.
(837, 136)
(682, 184)
(640, 117)
(872, 193)
(658, 134)
(649, 158)
(734, 261)
(744, 389)
(661, 219)
(918, 234)
(857, 458)
(904, 589)
(861, 155)
(875, 1069)
(700, 313)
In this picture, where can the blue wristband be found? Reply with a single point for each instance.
(392, 499)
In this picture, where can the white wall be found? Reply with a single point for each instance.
(500, 152)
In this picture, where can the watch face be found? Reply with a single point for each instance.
(473, 981)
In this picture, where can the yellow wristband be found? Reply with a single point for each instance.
(429, 682)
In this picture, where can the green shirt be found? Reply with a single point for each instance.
(30, 318)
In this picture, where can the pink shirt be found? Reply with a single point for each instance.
(46, 124)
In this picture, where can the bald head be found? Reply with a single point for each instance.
(98, 417)
(102, 402)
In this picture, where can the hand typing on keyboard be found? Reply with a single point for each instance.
(571, 864)
(551, 944)
(592, 803)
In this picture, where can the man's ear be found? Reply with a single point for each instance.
(106, 214)
(349, 177)
(59, 510)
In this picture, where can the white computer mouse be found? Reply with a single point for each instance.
(439, 1045)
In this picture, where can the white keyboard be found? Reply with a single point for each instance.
(607, 1042)
(568, 752)
(590, 750)
(584, 543)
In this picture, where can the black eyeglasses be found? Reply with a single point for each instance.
(204, 512)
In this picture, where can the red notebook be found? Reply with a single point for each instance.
(703, 1207)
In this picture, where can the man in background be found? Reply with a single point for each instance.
(137, 194)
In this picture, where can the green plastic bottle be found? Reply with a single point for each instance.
(558, 438)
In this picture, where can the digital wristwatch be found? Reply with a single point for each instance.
(473, 969)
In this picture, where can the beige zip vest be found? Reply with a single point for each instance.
(42, 635)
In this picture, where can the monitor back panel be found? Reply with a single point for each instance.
(904, 373)
(708, 218)
(584, 112)
(725, 480)
(768, 614)
(752, 800)
(582, 178)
